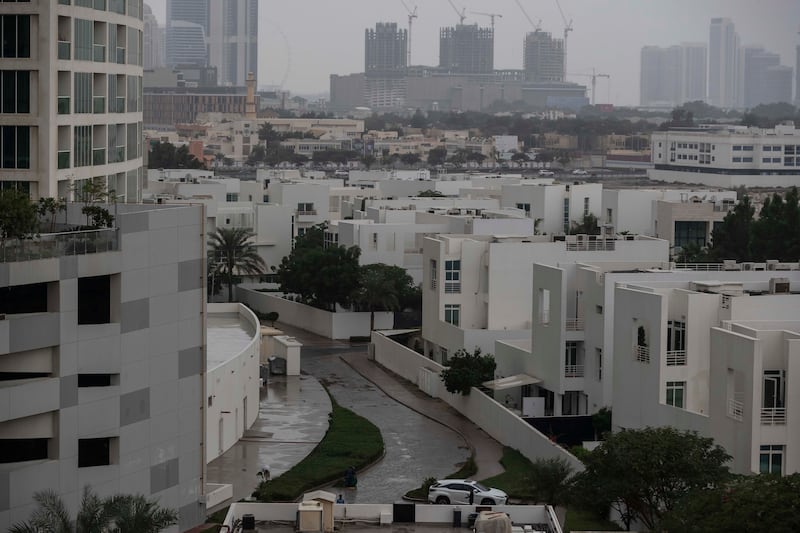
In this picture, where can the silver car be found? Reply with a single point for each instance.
(457, 491)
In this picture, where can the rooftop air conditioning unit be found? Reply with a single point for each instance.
(779, 286)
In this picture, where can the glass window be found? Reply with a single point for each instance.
(690, 232)
(676, 335)
(771, 459)
(83, 92)
(16, 146)
(452, 314)
(452, 276)
(83, 146)
(84, 40)
(675, 393)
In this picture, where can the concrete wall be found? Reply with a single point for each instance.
(339, 325)
(233, 388)
(499, 422)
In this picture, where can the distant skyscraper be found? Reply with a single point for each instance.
(466, 49)
(233, 39)
(661, 76)
(385, 57)
(797, 76)
(694, 72)
(724, 81)
(543, 57)
(187, 32)
(152, 41)
(755, 64)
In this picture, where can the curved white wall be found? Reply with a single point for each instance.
(232, 387)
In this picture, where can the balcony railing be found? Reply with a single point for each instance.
(63, 159)
(64, 50)
(573, 371)
(736, 409)
(99, 53)
(51, 245)
(642, 354)
(307, 212)
(676, 357)
(99, 156)
(773, 416)
(63, 105)
(99, 104)
(574, 324)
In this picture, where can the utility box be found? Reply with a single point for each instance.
(325, 501)
(309, 517)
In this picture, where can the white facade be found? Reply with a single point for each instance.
(554, 207)
(103, 356)
(728, 156)
(78, 107)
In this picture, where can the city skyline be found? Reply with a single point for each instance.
(299, 53)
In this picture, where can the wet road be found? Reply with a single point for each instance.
(416, 447)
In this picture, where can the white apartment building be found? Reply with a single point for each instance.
(554, 207)
(727, 156)
(102, 349)
(478, 289)
(72, 98)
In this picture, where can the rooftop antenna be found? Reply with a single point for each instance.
(412, 14)
(461, 14)
(490, 15)
(567, 29)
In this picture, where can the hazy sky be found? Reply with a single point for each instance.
(302, 42)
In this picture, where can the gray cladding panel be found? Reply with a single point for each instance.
(4, 274)
(191, 515)
(135, 315)
(69, 391)
(163, 476)
(134, 407)
(190, 275)
(190, 362)
(68, 267)
(134, 222)
(34, 331)
(5, 491)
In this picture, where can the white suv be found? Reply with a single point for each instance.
(544, 172)
(457, 491)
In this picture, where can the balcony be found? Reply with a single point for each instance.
(573, 371)
(307, 212)
(63, 105)
(64, 50)
(676, 357)
(99, 104)
(99, 53)
(63, 159)
(99, 156)
(736, 408)
(642, 354)
(574, 324)
(51, 245)
(773, 416)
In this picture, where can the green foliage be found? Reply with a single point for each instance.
(419, 120)
(643, 474)
(166, 155)
(542, 481)
(272, 317)
(601, 422)
(692, 253)
(117, 514)
(410, 159)
(321, 276)
(764, 502)
(92, 194)
(351, 440)
(18, 215)
(587, 225)
(467, 470)
(233, 255)
(465, 370)
(437, 156)
(733, 238)
(49, 208)
(430, 193)
(383, 288)
(334, 156)
(520, 157)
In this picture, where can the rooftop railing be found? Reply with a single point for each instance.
(51, 245)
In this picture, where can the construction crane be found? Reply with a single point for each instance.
(412, 14)
(537, 26)
(461, 14)
(567, 29)
(594, 75)
(490, 15)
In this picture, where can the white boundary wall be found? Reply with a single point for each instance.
(339, 325)
(499, 422)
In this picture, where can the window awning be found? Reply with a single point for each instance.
(517, 380)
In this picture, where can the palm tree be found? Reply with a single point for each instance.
(378, 291)
(234, 253)
(137, 514)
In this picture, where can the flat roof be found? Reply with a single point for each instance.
(227, 335)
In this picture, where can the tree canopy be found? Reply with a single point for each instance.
(166, 155)
(383, 288)
(18, 215)
(643, 474)
(465, 370)
(233, 255)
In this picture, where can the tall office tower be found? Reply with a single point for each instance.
(661, 76)
(233, 39)
(385, 49)
(152, 41)
(543, 57)
(797, 76)
(72, 97)
(756, 62)
(385, 65)
(777, 85)
(187, 32)
(466, 49)
(694, 72)
(724, 79)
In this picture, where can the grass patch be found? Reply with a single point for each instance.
(515, 481)
(467, 470)
(578, 520)
(351, 440)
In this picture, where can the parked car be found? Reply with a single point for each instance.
(579, 172)
(446, 491)
(544, 172)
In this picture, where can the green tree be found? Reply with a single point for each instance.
(166, 155)
(368, 160)
(764, 502)
(383, 288)
(776, 232)
(18, 215)
(733, 238)
(551, 481)
(137, 514)
(92, 193)
(643, 474)
(49, 208)
(588, 225)
(520, 157)
(418, 120)
(409, 159)
(430, 193)
(234, 255)
(437, 156)
(466, 370)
